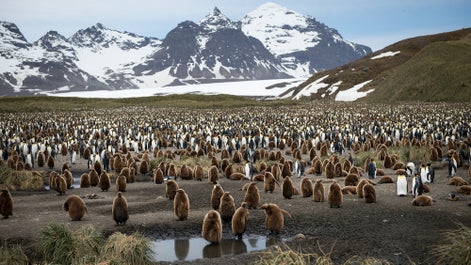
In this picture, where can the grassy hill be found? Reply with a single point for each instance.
(429, 68)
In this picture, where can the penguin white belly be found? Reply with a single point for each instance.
(401, 185)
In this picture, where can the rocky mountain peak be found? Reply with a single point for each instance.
(216, 20)
(303, 44)
(10, 34)
(52, 39)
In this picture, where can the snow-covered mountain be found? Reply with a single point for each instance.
(269, 43)
(213, 49)
(48, 63)
(303, 44)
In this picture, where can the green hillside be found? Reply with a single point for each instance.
(441, 71)
(427, 68)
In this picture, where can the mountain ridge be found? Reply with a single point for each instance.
(213, 49)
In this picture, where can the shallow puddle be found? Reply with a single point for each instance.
(197, 248)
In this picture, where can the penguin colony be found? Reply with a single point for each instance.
(124, 152)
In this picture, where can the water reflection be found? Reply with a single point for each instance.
(181, 247)
(197, 248)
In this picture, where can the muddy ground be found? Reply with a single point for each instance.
(391, 229)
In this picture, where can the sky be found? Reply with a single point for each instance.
(375, 23)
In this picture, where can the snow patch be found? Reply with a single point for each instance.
(258, 88)
(352, 93)
(385, 54)
(312, 88)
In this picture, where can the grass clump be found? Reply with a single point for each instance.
(457, 250)
(21, 180)
(12, 255)
(411, 154)
(288, 256)
(59, 245)
(87, 244)
(123, 249)
(56, 244)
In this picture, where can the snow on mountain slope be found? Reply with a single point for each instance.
(280, 29)
(270, 42)
(303, 44)
(117, 51)
(267, 89)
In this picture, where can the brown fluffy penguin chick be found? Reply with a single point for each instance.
(121, 183)
(329, 170)
(385, 179)
(457, 181)
(50, 162)
(351, 179)
(369, 193)
(120, 209)
(216, 195)
(213, 174)
(274, 217)
(306, 187)
(227, 207)
(69, 179)
(171, 188)
(239, 221)
(269, 182)
(158, 176)
(211, 229)
(335, 196)
(6, 203)
(360, 185)
(94, 177)
(287, 187)
(84, 180)
(252, 197)
(52, 180)
(61, 184)
(181, 205)
(105, 183)
(422, 200)
(198, 172)
(75, 206)
(318, 195)
(349, 190)
(237, 176)
(465, 189)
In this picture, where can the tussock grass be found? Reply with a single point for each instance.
(286, 255)
(87, 244)
(123, 249)
(204, 161)
(21, 180)
(361, 157)
(406, 154)
(457, 249)
(12, 255)
(411, 154)
(56, 244)
(191, 162)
